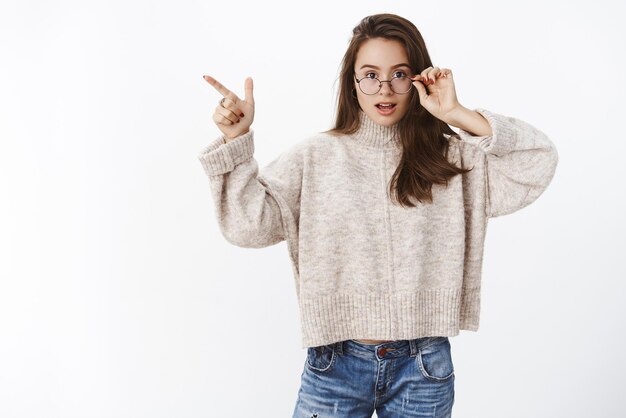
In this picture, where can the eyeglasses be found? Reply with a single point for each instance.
(399, 85)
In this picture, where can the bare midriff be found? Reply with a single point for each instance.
(374, 341)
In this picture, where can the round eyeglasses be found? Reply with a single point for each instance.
(399, 85)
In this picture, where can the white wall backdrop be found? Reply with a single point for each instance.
(120, 298)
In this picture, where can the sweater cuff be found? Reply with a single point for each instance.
(220, 157)
(503, 138)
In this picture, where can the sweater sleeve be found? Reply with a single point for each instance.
(254, 209)
(520, 162)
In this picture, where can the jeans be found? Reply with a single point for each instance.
(403, 378)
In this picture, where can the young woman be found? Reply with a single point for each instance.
(385, 218)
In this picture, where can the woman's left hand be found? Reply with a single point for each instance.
(440, 100)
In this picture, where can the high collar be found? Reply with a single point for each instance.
(372, 134)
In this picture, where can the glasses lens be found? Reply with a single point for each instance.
(369, 85)
(401, 85)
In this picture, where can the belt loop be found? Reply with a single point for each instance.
(339, 347)
(413, 345)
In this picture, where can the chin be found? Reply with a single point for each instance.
(386, 120)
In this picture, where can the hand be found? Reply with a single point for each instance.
(442, 101)
(234, 116)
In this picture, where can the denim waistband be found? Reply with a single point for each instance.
(390, 349)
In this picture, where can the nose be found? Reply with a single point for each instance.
(386, 89)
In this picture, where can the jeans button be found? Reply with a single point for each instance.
(382, 351)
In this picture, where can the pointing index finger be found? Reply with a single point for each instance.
(219, 87)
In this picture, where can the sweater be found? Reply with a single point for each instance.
(365, 267)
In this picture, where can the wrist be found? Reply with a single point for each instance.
(470, 121)
(230, 138)
(456, 116)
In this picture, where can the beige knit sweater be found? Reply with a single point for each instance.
(363, 266)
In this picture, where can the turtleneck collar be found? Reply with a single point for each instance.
(372, 134)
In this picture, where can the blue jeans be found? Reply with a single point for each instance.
(404, 378)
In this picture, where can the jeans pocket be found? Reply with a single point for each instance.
(435, 360)
(320, 358)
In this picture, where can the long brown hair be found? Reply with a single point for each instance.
(424, 148)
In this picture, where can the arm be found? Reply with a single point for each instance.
(470, 121)
(520, 161)
(252, 208)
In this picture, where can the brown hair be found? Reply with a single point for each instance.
(425, 149)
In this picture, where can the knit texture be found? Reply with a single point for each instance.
(365, 267)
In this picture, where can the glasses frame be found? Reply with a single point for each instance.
(380, 84)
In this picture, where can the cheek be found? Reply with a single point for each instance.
(403, 104)
(365, 101)
(406, 103)
(406, 99)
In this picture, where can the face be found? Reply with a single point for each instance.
(380, 58)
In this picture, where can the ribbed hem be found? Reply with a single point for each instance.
(438, 312)
(220, 157)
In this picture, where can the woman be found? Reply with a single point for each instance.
(385, 218)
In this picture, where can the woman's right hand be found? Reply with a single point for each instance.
(234, 116)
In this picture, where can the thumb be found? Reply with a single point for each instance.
(249, 88)
(421, 90)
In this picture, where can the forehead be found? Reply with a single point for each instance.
(382, 54)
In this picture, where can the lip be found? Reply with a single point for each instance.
(386, 112)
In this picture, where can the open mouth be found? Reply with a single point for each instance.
(385, 106)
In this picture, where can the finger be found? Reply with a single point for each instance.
(424, 74)
(432, 74)
(443, 72)
(220, 88)
(419, 80)
(227, 114)
(221, 120)
(232, 106)
(421, 90)
(249, 88)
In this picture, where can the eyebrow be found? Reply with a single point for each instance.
(395, 66)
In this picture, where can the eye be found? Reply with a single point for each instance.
(366, 74)
(402, 74)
